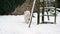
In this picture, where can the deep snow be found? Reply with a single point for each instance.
(16, 25)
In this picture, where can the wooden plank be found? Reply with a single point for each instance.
(47, 23)
(32, 13)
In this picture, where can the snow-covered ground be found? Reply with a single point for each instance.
(16, 25)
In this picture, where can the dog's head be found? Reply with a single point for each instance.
(27, 12)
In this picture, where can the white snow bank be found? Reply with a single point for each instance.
(16, 25)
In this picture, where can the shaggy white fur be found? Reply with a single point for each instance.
(27, 16)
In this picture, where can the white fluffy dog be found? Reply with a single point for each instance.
(27, 16)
